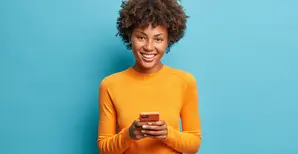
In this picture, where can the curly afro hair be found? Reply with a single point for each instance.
(141, 13)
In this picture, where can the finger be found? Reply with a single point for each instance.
(154, 127)
(154, 133)
(135, 123)
(137, 132)
(138, 124)
(158, 123)
(138, 137)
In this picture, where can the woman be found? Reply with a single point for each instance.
(149, 28)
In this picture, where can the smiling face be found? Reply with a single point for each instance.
(149, 46)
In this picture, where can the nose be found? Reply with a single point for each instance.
(149, 46)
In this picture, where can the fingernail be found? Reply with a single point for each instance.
(149, 123)
(144, 126)
(142, 131)
(145, 135)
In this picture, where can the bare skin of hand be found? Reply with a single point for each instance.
(135, 130)
(157, 130)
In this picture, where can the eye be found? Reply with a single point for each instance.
(141, 38)
(158, 40)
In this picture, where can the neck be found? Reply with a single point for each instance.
(154, 69)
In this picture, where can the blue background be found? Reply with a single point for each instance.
(53, 55)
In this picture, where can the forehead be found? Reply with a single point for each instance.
(150, 30)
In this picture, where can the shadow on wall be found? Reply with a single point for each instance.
(112, 59)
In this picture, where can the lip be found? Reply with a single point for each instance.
(148, 57)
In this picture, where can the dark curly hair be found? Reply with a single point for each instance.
(141, 13)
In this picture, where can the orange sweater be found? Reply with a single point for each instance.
(172, 92)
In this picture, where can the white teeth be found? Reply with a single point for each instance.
(148, 56)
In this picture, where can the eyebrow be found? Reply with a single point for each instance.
(146, 34)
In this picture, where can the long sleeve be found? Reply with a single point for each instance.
(189, 140)
(108, 141)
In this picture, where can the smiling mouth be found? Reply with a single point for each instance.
(148, 57)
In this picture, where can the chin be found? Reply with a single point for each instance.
(147, 65)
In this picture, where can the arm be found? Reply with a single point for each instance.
(189, 140)
(108, 141)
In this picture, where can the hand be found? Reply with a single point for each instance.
(158, 130)
(135, 130)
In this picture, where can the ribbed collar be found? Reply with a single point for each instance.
(147, 77)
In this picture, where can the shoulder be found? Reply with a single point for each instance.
(113, 78)
(185, 76)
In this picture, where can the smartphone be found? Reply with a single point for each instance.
(149, 116)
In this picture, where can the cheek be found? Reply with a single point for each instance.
(162, 48)
(136, 45)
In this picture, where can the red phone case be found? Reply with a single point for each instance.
(149, 116)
